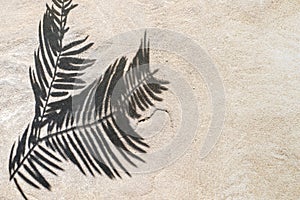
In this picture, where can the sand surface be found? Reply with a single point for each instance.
(254, 45)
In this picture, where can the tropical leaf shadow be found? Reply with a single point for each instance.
(86, 129)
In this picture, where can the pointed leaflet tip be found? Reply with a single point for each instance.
(10, 165)
(145, 39)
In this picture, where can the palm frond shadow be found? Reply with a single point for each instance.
(91, 129)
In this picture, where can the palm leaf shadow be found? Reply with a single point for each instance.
(86, 129)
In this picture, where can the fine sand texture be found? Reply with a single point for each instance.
(254, 45)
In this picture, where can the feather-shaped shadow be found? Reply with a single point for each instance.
(85, 129)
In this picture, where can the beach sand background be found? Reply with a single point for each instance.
(255, 46)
